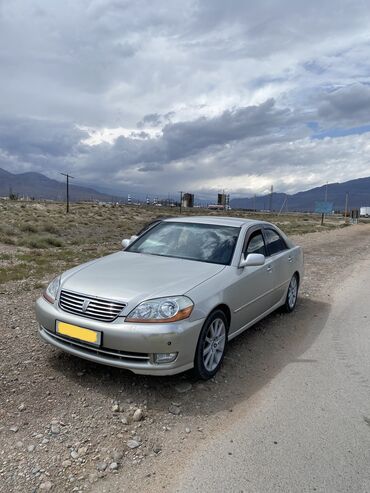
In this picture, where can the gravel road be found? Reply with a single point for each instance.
(300, 380)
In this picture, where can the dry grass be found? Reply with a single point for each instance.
(38, 239)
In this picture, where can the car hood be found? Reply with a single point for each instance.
(133, 277)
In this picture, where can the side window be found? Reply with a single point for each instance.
(274, 242)
(256, 244)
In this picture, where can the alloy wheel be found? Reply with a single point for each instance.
(292, 292)
(214, 344)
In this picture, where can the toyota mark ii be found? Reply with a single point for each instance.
(174, 296)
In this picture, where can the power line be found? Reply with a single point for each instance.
(68, 177)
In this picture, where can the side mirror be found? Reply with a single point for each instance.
(125, 243)
(252, 260)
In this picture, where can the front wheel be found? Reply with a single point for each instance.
(292, 295)
(211, 346)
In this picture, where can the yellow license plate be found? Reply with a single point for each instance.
(75, 332)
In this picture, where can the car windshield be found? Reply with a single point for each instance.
(193, 241)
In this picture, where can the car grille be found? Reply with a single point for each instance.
(87, 306)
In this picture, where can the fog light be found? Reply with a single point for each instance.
(160, 358)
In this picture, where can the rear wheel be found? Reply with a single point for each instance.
(292, 295)
(211, 345)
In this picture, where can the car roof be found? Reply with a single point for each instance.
(217, 220)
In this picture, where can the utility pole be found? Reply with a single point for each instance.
(346, 208)
(326, 199)
(181, 192)
(271, 192)
(254, 203)
(68, 177)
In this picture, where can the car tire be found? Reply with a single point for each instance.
(211, 346)
(292, 295)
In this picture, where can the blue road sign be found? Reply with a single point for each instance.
(324, 207)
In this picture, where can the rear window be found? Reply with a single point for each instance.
(274, 241)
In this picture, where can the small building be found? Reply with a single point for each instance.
(188, 200)
(223, 199)
(364, 211)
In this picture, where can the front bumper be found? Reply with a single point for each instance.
(124, 345)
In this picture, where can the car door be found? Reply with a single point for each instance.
(279, 258)
(253, 285)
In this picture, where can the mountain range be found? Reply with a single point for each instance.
(40, 186)
(358, 195)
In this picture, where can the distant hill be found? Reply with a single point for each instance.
(358, 190)
(41, 187)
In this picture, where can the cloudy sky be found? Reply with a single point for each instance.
(160, 96)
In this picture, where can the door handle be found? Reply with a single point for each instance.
(269, 268)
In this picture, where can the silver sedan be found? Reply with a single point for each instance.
(173, 298)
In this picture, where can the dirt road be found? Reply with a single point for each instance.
(67, 424)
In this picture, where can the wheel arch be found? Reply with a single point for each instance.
(226, 310)
(296, 273)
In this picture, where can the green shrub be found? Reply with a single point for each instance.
(41, 242)
(28, 228)
(50, 228)
(50, 240)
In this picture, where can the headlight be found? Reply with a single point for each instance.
(162, 310)
(51, 291)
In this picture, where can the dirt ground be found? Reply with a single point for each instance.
(68, 425)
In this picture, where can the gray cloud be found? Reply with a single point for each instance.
(28, 138)
(186, 138)
(346, 106)
(191, 139)
(154, 120)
